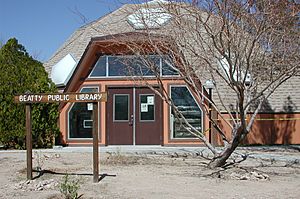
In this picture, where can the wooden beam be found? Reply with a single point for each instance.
(29, 142)
(95, 143)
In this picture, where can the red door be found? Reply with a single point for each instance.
(119, 116)
(134, 117)
(148, 117)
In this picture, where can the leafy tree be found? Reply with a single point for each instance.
(20, 73)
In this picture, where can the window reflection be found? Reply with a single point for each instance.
(99, 68)
(186, 104)
(121, 107)
(80, 119)
(147, 103)
(131, 65)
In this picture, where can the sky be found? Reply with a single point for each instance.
(42, 26)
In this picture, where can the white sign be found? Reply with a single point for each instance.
(61, 97)
(150, 100)
(89, 106)
(144, 107)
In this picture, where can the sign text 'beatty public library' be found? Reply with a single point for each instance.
(65, 97)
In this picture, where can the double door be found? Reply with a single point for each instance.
(133, 117)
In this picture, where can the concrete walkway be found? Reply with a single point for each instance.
(278, 153)
(123, 149)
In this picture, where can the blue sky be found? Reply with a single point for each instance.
(43, 25)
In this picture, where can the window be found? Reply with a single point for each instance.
(99, 68)
(80, 118)
(168, 68)
(147, 107)
(118, 66)
(130, 65)
(189, 108)
(121, 107)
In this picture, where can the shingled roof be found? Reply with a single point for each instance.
(285, 99)
(114, 22)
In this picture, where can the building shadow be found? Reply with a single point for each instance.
(272, 128)
(289, 125)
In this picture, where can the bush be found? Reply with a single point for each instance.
(20, 73)
(69, 188)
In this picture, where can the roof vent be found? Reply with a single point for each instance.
(156, 2)
(223, 63)
(63, 70)
(149, 18)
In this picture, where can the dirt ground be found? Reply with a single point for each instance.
(151, 176)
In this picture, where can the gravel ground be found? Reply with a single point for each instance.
(153, 172)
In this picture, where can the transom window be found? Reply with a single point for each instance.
(190, 110)
(131, 65)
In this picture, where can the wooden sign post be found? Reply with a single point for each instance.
(28, 141)
(28, 99)
(95, 143)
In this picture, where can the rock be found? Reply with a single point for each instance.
(244, 177)
(57, 155)
(48, 186)
(234, 176)
(174, 155)
(259, 176)
(57, 147)
(32, 185)
(253, 175)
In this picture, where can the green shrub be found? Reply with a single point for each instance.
(69, 188)
(20, 73)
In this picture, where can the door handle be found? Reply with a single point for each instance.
(131, 121)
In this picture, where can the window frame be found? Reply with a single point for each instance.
(135, 76)
(171, 136)
(114, 98)
(70, 108)
(87, 126)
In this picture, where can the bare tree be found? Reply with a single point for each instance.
(246, 48)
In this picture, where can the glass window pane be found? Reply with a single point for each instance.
(147, 65)
(77, 125)
(89, 90)
(117, 66)
(133, 65)
(80, 118)
(168, 67)
(147, 107)
(186, 104)
(99, 68)
(121, 107)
